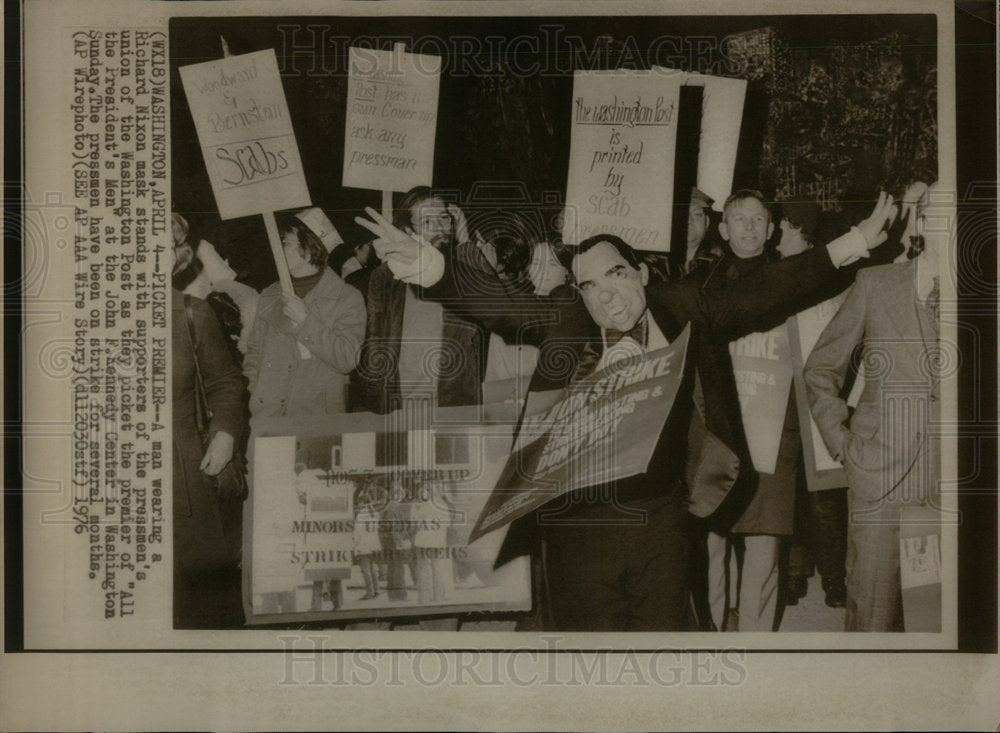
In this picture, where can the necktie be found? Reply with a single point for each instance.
(637, 333)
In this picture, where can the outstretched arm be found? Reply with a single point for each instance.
(465, 289)
(764, 299)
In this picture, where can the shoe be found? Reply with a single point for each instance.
(836, 592)
(798, 586)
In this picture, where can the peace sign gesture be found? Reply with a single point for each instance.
(391, 242)
(409, 257)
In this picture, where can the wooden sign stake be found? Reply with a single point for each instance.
(398, 50)
(278, 251)
(387, 204)
(272, 227)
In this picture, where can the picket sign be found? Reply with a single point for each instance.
(721, 120)
(391, 121)
(273, 236)
(247, 140)
(762, 365)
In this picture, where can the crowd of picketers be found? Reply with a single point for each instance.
(435, 306)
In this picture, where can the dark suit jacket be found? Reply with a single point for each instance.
(375, 383)
(565, 334)
(771, 511)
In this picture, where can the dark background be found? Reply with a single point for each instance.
(975, 80)
(846, 101)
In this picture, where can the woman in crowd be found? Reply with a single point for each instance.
(820, 519)
(303, 345)
(206, 574)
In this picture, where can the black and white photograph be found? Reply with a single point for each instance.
(500, 365)
(564, 193)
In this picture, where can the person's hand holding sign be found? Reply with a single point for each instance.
(294, 308)
(410, 258)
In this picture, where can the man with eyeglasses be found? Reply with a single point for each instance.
(414, 349)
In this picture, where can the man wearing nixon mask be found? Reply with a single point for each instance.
(604, 573)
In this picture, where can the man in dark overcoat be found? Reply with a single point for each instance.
(603, 573)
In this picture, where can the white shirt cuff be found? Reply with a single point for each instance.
(426, 270)
(849, 248)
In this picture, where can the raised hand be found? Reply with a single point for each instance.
(409, 257)
(391, 242)
(874, 227)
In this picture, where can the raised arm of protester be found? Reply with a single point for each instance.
(467, 290)
(766, 297)
(760, 301)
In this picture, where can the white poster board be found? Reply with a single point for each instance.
(336, 496)
(721, 120)
(391, 121)
(762, 365)
(246, 135)
(621, 171)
